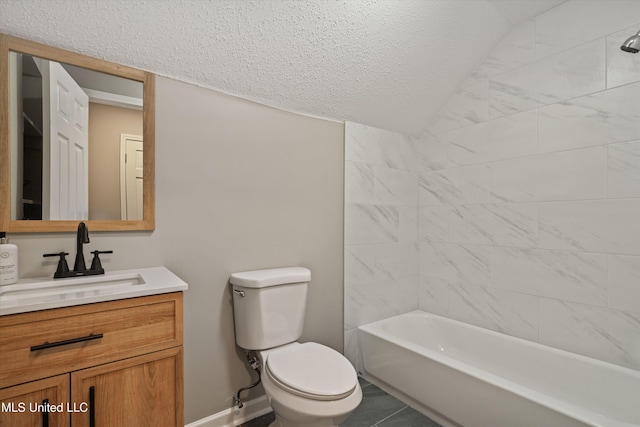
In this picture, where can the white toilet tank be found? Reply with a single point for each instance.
(269, 306)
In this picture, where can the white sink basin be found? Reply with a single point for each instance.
(44, 293)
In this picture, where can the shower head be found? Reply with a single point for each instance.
(632, 44)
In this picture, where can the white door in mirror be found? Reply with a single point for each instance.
(131, 177)
(68, 146)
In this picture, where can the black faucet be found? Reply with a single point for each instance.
(79, 268)
(82, 237)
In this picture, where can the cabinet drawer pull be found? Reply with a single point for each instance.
(65, 342)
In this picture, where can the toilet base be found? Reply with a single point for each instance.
(295, 411)
(281, 422)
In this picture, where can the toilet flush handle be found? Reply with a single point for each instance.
(241, 293)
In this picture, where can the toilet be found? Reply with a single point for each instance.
(307, 384)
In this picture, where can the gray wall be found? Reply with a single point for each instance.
(239, 186)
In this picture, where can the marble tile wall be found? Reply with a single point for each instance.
(529, 188)
(381, 228)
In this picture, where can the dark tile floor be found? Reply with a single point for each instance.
(378, 409)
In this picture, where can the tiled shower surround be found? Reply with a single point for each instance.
(519, 210)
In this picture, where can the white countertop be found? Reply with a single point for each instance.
(45, 293)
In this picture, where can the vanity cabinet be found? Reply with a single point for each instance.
(109, 364)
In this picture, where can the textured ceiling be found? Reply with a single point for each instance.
(386, 63)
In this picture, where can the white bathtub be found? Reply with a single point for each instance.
(465, 375)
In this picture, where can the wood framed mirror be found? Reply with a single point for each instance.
(48, 179)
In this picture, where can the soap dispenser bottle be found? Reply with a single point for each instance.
(8, 261)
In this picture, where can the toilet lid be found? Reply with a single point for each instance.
(312, 370)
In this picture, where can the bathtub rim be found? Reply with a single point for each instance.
(581, 414)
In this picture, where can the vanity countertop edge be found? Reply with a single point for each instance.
(43, 293)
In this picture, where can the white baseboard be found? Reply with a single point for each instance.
(232, 417)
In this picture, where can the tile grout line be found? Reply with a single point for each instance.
(389, 416)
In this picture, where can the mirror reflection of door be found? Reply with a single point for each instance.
(131, 176)
(67, 149)
(55, 139)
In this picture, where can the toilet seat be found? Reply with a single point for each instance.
(312, 371)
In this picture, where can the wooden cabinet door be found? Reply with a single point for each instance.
(139, 392)
(24, 405)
